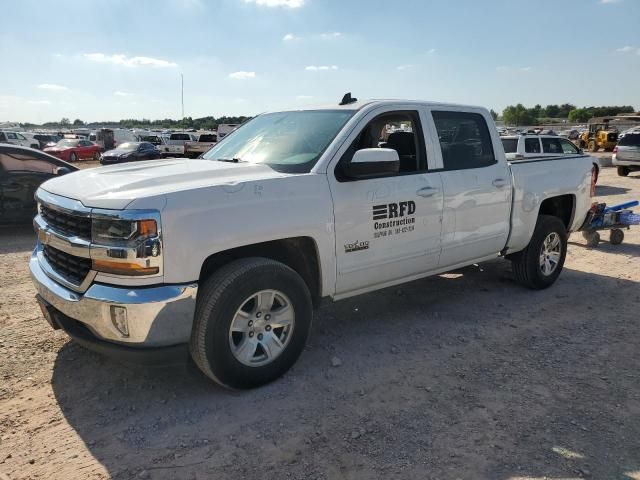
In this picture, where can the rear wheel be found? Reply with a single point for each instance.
(96, 156)
(623, 171)
(593, 146)
(540, 263)
(592, 238)
(73, 157)
(616, 237)
(253, 317)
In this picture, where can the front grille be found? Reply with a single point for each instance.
(74, 269)
(67, 224)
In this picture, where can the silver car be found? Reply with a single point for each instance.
(626, 156)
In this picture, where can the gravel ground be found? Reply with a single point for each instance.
(464, 375)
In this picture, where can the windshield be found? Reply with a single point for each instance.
(290, 142)
(151, 139)
(128, 146)
(67, 143)
(179, 136)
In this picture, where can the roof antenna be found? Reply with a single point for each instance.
(347, 99)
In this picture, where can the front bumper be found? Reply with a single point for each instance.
(157, 316)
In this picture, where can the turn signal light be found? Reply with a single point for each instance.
(123, 268)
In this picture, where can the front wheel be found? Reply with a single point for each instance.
(253, 317)
(73, 157)
(593, 146)
(540, 263)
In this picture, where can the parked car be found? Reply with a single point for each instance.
(225, 129)
(47, 140)
(33, 141)
(175, 145)
(72, 149)
(16, 138)
(202, 145)
(292, 208)
(131, 152)
(22, 170)
(626, 155)
(157, 140)
(523, 147)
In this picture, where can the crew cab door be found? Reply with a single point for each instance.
(477, 186)
(386, 228)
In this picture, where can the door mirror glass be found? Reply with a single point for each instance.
(373, 162)
(62, 171)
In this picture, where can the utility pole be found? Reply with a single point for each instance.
(182, 97)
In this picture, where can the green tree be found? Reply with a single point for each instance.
(580, 115)
(551, 111)
(65, 122)
(494, 114)
(518, 115)
(565, 108)
(78, 123)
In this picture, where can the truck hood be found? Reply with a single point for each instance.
(116, 186)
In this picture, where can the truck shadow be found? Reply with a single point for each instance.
(16, 238)
(607, 190)
(466, 372)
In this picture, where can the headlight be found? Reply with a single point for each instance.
(126, 246)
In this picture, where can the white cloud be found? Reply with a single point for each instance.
(604, 2)
(278, 3)
(119, 59)
(119, 93)
(628, 49)
(317, 68)
(431, 51)
(328, 35)
(405, 67)
(525, 69)
(289, 37)
(504, 68)
(52, 87)
(39, 102)
(242, 75)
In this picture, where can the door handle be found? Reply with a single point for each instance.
(499, 182)
(427, 192)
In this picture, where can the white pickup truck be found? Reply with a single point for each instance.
(202, 145)
(227, 255)
(174, 146)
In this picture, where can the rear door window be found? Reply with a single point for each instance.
(464, 138)
(532, 145)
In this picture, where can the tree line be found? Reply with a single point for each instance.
(204, 123)
(521, 115)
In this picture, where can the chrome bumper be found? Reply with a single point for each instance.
(156, 316)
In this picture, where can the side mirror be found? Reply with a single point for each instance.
(580, 151)
(62, 171)
(373, 162)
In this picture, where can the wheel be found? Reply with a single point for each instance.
(252, 320)
(592, 238)
(96, 156)
(593, 146)
(73, 157)
(623, 171)
(540, 263)
(36, 146)
(617, 236)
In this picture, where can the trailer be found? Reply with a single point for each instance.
(616, 219)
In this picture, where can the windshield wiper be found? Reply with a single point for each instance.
(232, 160)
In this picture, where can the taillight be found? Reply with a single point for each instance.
(594, 179)
(615, 149)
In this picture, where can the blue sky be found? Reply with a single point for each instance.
(101, 60)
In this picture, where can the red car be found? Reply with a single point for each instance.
(71, 149)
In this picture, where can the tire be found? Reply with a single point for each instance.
(224, 297)
(526, 264)
(593, 146)
(96, 156)
(616, 237)
(73, 157)
(623, 171)
(36, 146)
(592, 238)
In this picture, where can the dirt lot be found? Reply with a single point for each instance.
(465, 375)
